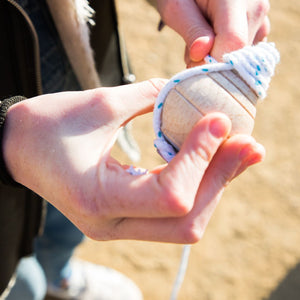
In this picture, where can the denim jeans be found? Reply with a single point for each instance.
(55, 247)
(53, 250)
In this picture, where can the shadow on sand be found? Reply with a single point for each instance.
(289, 287)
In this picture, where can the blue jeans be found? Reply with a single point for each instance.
(50, 262)
(53, 250)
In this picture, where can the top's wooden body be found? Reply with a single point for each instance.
(194, 97)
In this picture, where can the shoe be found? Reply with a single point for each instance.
(94, 282)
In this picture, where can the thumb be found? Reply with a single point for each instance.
(131, 100)
(187, 20)
(190, 163)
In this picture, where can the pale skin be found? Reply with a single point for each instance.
(59, 145)
(216, 26)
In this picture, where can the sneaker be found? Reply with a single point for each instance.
(93, 282)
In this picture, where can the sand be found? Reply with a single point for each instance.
(251, 248)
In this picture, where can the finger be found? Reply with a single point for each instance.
(258, 22)
(231, 27)
(238, 153)
(190, 63)
(263, 31)
(186, 19)
(233, 158)
(131, 100)
(170, 192)
(190, 164)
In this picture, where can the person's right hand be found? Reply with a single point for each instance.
(215, 27)
(58, 145)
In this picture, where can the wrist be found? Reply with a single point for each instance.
(9, 128)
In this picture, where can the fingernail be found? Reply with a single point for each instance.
(220, 127)
(198, 48)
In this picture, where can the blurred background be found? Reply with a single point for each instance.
(251, 248)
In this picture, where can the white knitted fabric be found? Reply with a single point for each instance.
(255, 65)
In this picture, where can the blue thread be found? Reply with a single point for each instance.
(176, 80)
(159, 134)
(160, 105)
(258, 67)
(205, 70)
(231, 62)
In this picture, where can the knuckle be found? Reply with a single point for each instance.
(236, 40)
(156, 84)
(222, 179)
(97, 233)
(175, 202)
(262, 8)
(169, 9)
(92, 234)
(203, 151)
(190, 234)
(103, 100)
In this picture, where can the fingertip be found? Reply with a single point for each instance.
(260, 149)
(251, 153)
(259, 154)
(200, 48)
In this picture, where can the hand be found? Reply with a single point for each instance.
(59, 146)
(216, 26)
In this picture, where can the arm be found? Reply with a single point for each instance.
(215, 26)
(59, 145)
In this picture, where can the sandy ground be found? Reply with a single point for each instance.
(251, 249)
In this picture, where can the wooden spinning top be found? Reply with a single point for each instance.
(190, 99)
(232, 87)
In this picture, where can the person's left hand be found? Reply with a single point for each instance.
(58, 145)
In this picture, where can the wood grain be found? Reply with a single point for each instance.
(199, 95)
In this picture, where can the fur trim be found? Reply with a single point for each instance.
(85, 13)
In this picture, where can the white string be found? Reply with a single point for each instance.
(181, 271)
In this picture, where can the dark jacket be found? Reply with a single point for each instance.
(20, 209)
